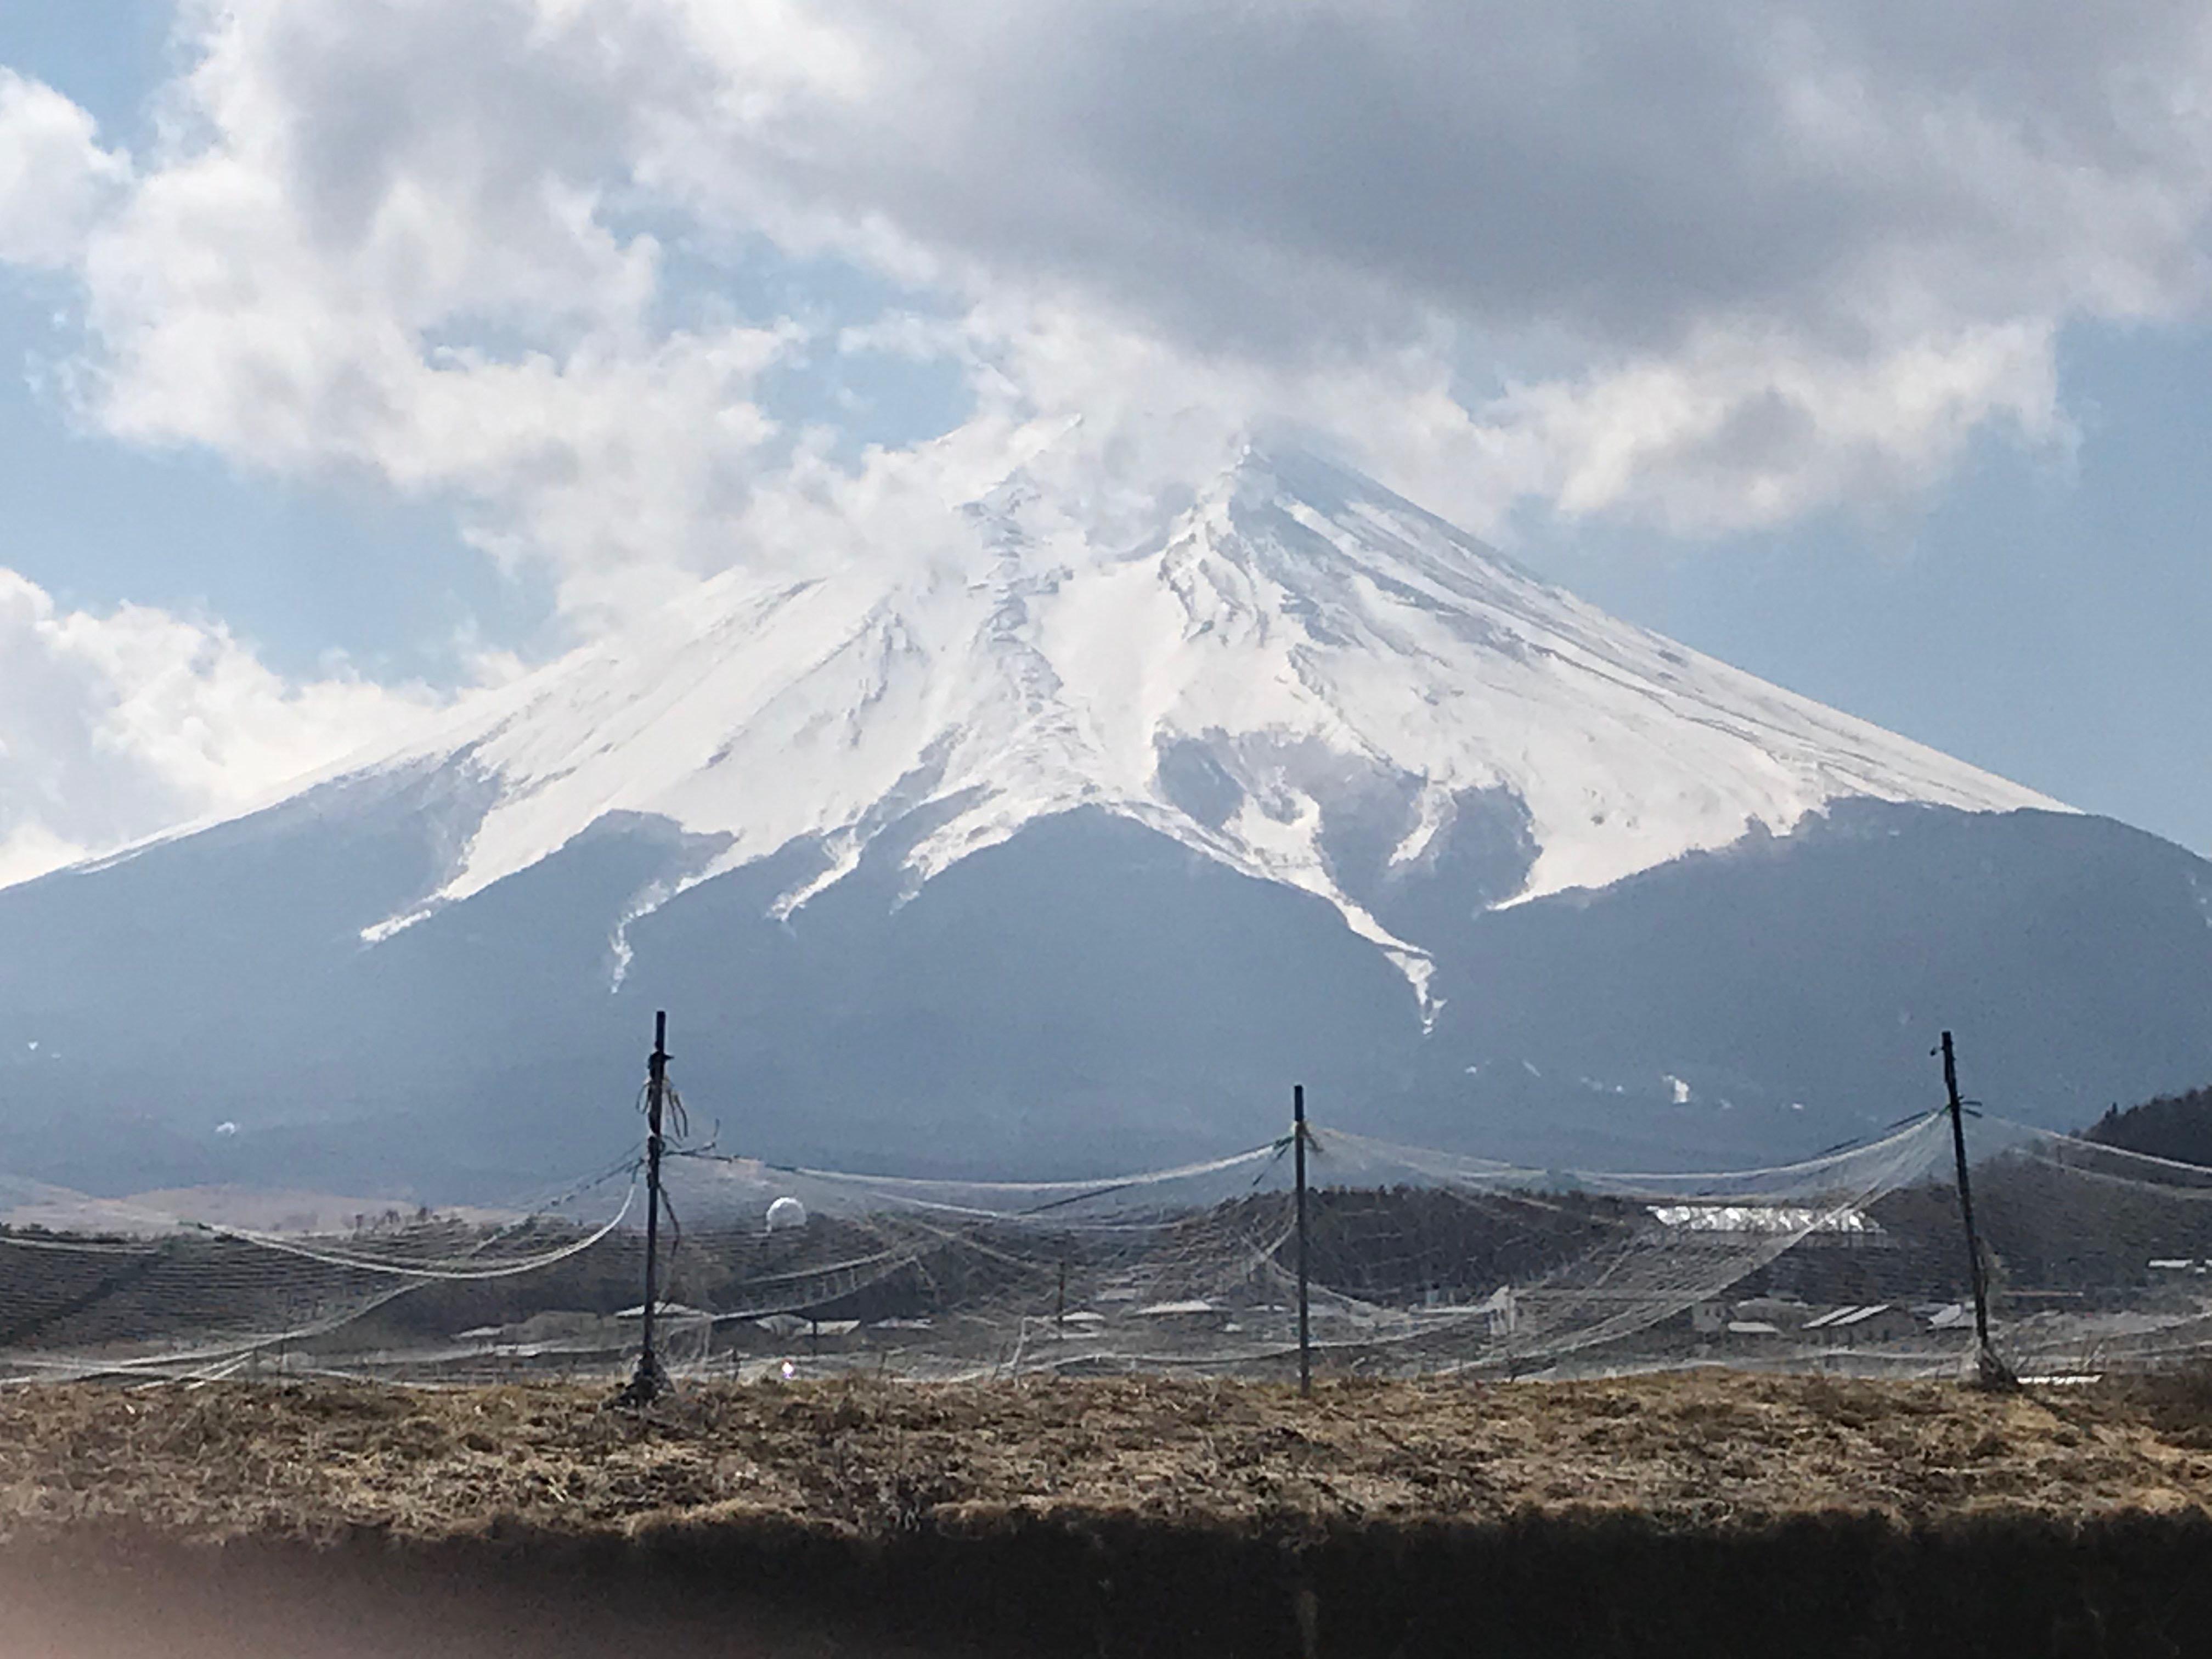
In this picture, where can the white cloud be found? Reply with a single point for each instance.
(387, 237)
(54, 176)
(1733, 432)
(115, 726)
(1728, 262)
(1711, 267)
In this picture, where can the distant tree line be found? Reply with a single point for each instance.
(2177, 1127)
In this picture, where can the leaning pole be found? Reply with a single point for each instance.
(650, 1380)
(1990, 1370)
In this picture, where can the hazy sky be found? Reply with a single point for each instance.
(363, 351)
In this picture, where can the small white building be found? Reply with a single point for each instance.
(1766, 1220)
(1869, 1322)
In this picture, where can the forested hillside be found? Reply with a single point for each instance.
(2178, 1127)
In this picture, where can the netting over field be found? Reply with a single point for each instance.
(1420, 1261)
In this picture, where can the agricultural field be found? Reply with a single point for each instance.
(323, 1460)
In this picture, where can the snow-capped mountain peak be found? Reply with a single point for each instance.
(1293, 672)
(1061, 837)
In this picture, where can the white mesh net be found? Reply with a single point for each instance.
(1418, 1261)
(123, 1290)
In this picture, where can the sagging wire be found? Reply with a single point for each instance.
(423, 1270)
(1857, 1142)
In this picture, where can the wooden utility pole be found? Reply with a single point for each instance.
(1298, 1167)
(650, 1380)
(1990, 1370)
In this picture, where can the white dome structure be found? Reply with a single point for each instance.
(785, 1214)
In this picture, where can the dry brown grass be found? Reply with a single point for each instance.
(316, 1460)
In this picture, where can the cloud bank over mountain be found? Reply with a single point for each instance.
(640, 289)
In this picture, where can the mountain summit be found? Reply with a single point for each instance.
(1069, 835)
(1298, 674)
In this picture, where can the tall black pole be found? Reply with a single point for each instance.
(1966, 1202)
(1298, 1166)
(650, 1380)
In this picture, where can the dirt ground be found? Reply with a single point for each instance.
(1700, 1450)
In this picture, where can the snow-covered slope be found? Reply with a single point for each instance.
(1294, 639)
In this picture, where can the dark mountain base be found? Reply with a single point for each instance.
(1088, 996)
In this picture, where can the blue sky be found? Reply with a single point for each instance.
(2041, 614)
(360, 353)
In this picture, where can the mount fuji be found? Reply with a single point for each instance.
(1049, 845)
